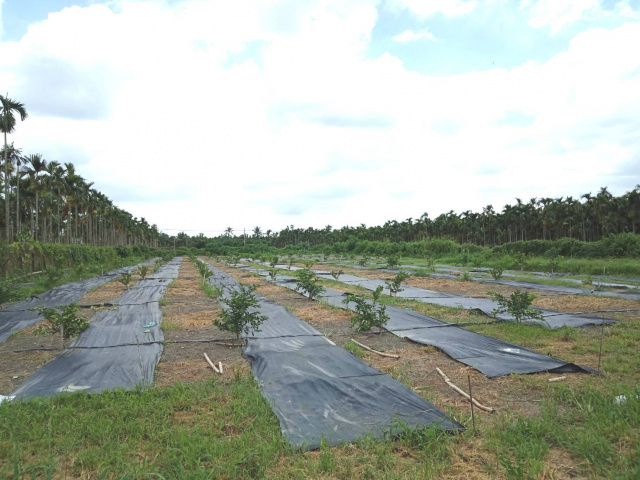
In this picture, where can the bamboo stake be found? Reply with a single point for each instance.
(220, 367)
(463, 393)
(211, 363)
(473, 416)
(375, 351)
(556, 379)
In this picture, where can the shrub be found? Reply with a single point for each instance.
(65, 319)
(518, 305)
(368, 314)
(393, 261)
(237, 317)
(395, 285)
(309, 283)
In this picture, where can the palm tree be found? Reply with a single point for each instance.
(36, 166)
(8, 108)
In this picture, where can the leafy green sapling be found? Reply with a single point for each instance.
(336, 274)
(62, 320)
(395, 284)
(125, 279)
(393, 261)
(368, 314)
(518, 305)
(308, 283)
(238, 317)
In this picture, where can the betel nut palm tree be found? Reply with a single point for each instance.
(8, 109)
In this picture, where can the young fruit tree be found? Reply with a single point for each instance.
(368, 314)
(518, 305)
(308, 283)
(395, 285)
(336, 274)
(238, 317)
(62, 320)
(393, 261)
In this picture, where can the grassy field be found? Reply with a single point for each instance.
(585, 427)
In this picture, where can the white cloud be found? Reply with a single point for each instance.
(410, 36)
(314, 132)
(428, 8)
(558, 14)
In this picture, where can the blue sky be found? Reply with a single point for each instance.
(200, 115)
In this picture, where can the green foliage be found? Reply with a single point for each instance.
(520, 260)
(336, 274)
(212, 291)
(588, 280)
(518, 305)
(273, 272)
(552, 265)
(203, 269)
(368, 314)
(363, 260)
(465, 276)
(52, 276)
(143, 271)
(496, 272)
(308, 283)
(238, 317)
(7, 289)
(308, 263)
(395, 285)
(65, 318)
(393, 261)
(273, 262)
(125, 279)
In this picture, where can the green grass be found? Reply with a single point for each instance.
(201, 430)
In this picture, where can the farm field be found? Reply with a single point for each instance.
(197, 424)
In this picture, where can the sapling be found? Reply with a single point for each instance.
(392, 261)
(273, 262)
(362, 261)
(395, 284)
(308, 263)
(308, 283)
(237, 317)
(272, 274)
(63, 320)
(290, 262)
(125, 279)
(143, 271)
(368, 314)
(496, 272)
(336, 274)
(518, 305)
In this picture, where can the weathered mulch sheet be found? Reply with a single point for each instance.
(117, 351)
(22, 315)
(321, 391)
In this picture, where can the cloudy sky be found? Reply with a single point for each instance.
(204, 114)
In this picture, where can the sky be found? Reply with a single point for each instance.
(200, 115)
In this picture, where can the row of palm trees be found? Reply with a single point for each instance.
(48, 201)
(588, 218)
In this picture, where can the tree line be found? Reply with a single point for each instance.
(47, 201)
(589, 218)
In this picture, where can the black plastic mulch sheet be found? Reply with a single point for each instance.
(488, 355)
(117, 351)
(20, 315)
(552, 319)
(321, 391)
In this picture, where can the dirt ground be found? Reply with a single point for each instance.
(187, 320)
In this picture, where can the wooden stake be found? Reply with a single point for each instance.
(220, 366)
(557, 379)
(375, 351)
(463, 393)
(473, 417)
(211, 363)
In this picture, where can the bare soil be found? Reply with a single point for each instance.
(188, 315)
